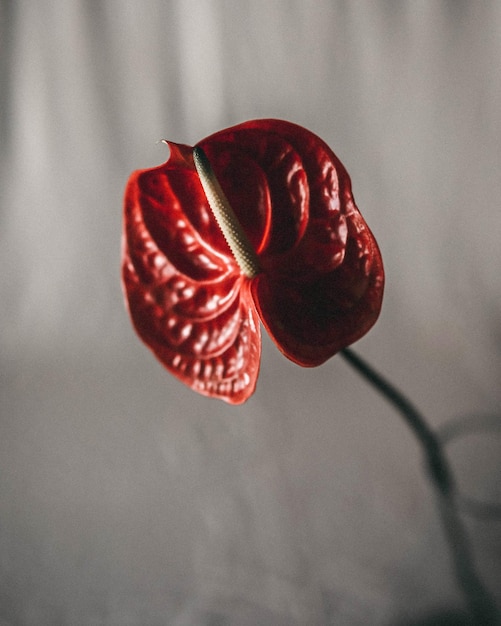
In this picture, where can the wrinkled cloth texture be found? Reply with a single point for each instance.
(125, 498)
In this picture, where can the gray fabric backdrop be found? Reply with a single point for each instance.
(126, 499)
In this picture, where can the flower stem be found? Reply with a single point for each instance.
(482, 607)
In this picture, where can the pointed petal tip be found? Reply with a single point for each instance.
(180, 155)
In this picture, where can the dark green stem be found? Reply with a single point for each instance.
(481, 605)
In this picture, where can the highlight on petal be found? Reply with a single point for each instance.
(320, 282)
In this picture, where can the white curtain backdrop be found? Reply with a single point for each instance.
(125, 498)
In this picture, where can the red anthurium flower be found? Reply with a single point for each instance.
(315, 279)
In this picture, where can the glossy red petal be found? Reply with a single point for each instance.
(312, 319)
(186, 297)
(322, 283)
(268, 191)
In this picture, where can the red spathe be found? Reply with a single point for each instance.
(321, 282)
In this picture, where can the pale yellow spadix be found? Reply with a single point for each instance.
(237, 240)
